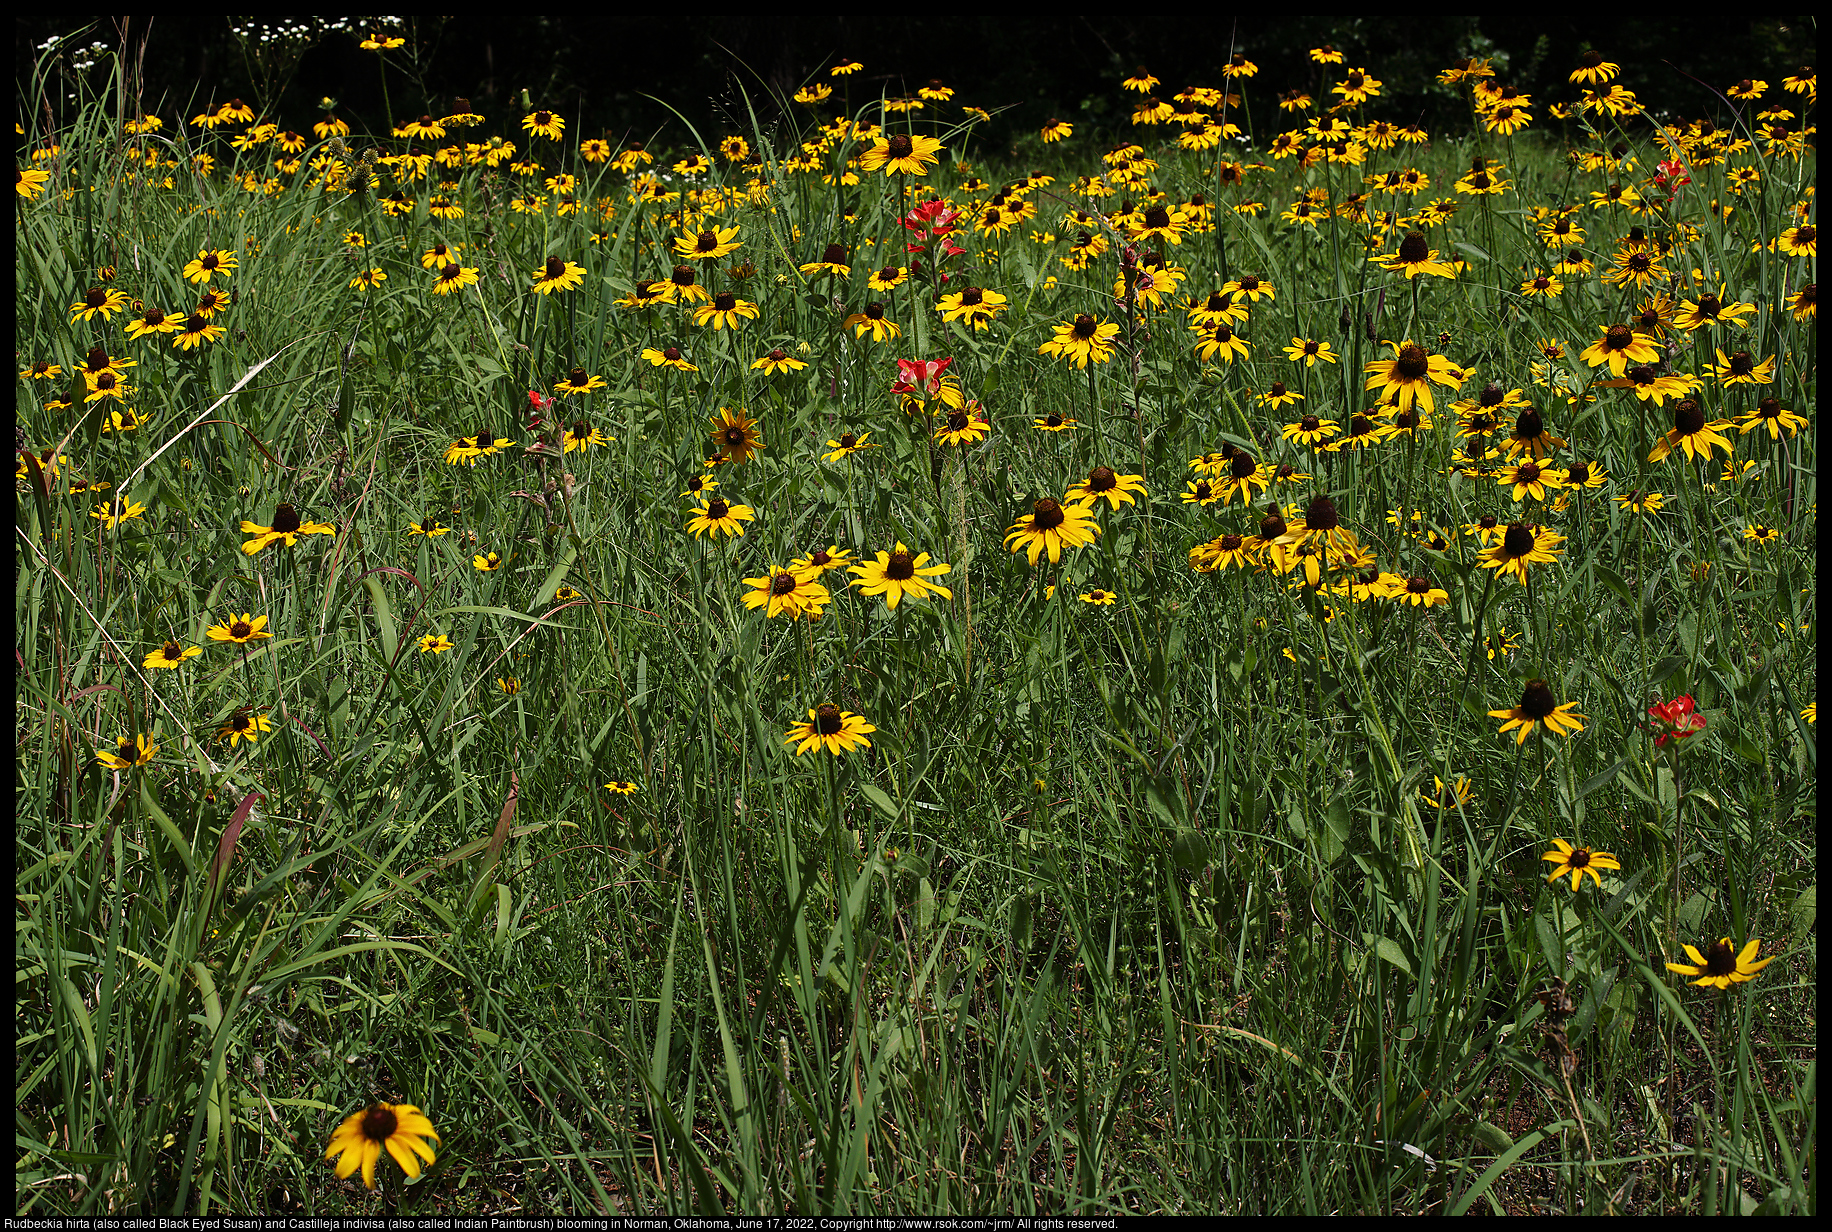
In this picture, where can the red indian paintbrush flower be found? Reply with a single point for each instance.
(1675, 720)
(923, 374)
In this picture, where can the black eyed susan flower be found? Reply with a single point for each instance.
(666, 357)
(788, 592)
(98, 301)
(467, 450)
(727, 311)
(974, 305)
(1805, 304)
(1650, 386)
(900, 572)
(582, 434)
(1221, 552)
(1051, 527)
(198, 329)
(1692, 433)
(838, 731)
(400, 1129)
(1720, 966)
(1201, 492)
(544, 124)
(579, 381)
(1531, 479)
(1415, 257)
(1761, 536)
(565, 594)
(455, 277)
(1098, 597)
(1577, 861)
(621, 787)
(1419, 592)
(128, 753)
(1740, 368)
(1081, 340)
(558, 275)
(1585, 475)
(908, 155)
(209, 263)
(962, 427)
(1523, 545)
(1321, 522)
(1054, 422)
(171, 655)
(699, 485)
(1104, 483)
(1445, 796)
(1642, 502)
(719, 518)
(429, 525)
(1800, 241)
(1770, 414)
(1537, 706)
(848, 444)
(1244, 474)
(240, 629)
(778, 360)
(1057, 130)
(872, 320)
(888, 278)
(243, 726)
(436, 643)
(1311, 430)
(708, 245)
(1619, 347)
(488, 562)
(1219, 339)
(1408, 376)
(287, 528)
(734, 436)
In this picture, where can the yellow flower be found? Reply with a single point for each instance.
(401, 1129)
(436, 643)
(1537, 706)
(240, 629)
(128, 753)
(1720, 966)
(838, 731)
(1577, 861)
(171, 655)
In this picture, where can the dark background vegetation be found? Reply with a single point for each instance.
(605, 73)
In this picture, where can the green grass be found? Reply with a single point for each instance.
(1134, 908)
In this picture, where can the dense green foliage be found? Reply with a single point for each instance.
(1228, 894)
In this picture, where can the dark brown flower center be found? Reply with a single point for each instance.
(1418, 585)
(1046, 514)
(1322, 515)
(717, 509)
(579, 377)
(1579, 474)
(776, 355)
(1487, 521)
(1528, 426)
(889, 273)
(724, 301)
(1720, 959)
(874, 311)
(1527, 472)
(782, 583)
(683, 276)
(1639, 262)
(1223, 334)
(451, 272)
(1360, 425)
(1413, 363)
(1709, 306)
(1741, 364)
(1242, 466)
(210, 261)
(239, 629)
(1203, 490)
(1688, 417)
(556, 268)
(1414, 248)
(196, 323)
(1053, 420)
(286, 519)
(1230, 543)
(734, 437)
(848, 441)
(1272, 525)
(899, 146)
(1642, 374)
(901, 567)
(1157, 216)
(1518, 541)
(1618, 338)
(1084, 327)
(1591, 59)
(1536, 702)
(1355, 81)
(1804, 236)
